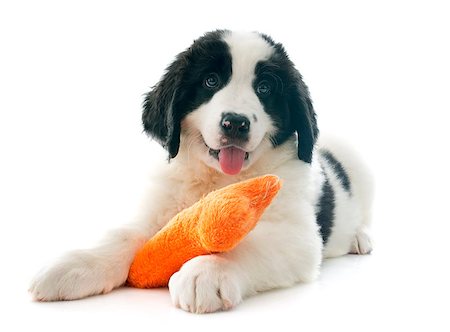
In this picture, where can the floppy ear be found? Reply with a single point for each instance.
(304, 119)
(160, 116)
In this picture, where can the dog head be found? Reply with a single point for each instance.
(228, 98)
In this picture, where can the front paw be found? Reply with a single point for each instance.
(205, 284)
(74, 276)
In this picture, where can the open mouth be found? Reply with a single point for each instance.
(231, 158)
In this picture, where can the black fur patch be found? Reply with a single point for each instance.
(325, 210)
(338, 169)
(289, 104)
(181, 89)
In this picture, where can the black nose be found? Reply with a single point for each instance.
(235, 125)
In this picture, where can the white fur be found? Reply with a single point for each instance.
(283, 249)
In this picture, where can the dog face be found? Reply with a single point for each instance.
(229, 98)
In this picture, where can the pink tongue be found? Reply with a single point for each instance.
(231, 160)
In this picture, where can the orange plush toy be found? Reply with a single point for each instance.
(216, 223)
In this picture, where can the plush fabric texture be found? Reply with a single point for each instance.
(216, 223)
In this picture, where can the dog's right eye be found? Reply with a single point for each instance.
(212, 81)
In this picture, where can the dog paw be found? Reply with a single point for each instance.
(205, 284)
(74, 276)
(362, 244)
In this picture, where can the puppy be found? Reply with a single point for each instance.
(232, 107)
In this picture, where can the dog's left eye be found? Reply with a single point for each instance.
(264, 88)
(212, 81)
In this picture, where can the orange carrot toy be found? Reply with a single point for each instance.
(216, 223)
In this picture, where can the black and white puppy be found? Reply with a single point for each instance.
(231, 107)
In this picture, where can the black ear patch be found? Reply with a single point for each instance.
(290, 105)
(180, 90)
(159, 116)
(304, 119)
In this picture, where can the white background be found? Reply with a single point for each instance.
(73, 156)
